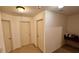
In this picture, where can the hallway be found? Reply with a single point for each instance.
(40, 26)
(27, 49)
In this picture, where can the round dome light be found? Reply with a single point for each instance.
(20, 8)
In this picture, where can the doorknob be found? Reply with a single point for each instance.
(37, 35)
(10, 38)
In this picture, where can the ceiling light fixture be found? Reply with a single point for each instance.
(20, 9)
(60, 6)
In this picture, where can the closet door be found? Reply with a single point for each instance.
(7, 35)
(40, 34)
(25, 33)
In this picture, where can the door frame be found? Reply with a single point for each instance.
(29, 31)
(37, 31)
(10, 34)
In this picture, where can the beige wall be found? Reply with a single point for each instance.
(54, 29)
(72, 24)
(15, 22)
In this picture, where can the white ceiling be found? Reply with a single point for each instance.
(66, 10)
(29, 10)
(33, 10)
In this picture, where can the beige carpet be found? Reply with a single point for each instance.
(27, 49)
(32, 49)
(67, 49)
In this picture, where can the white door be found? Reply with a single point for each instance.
(40, 34)
(25, 33)
(7, 35)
